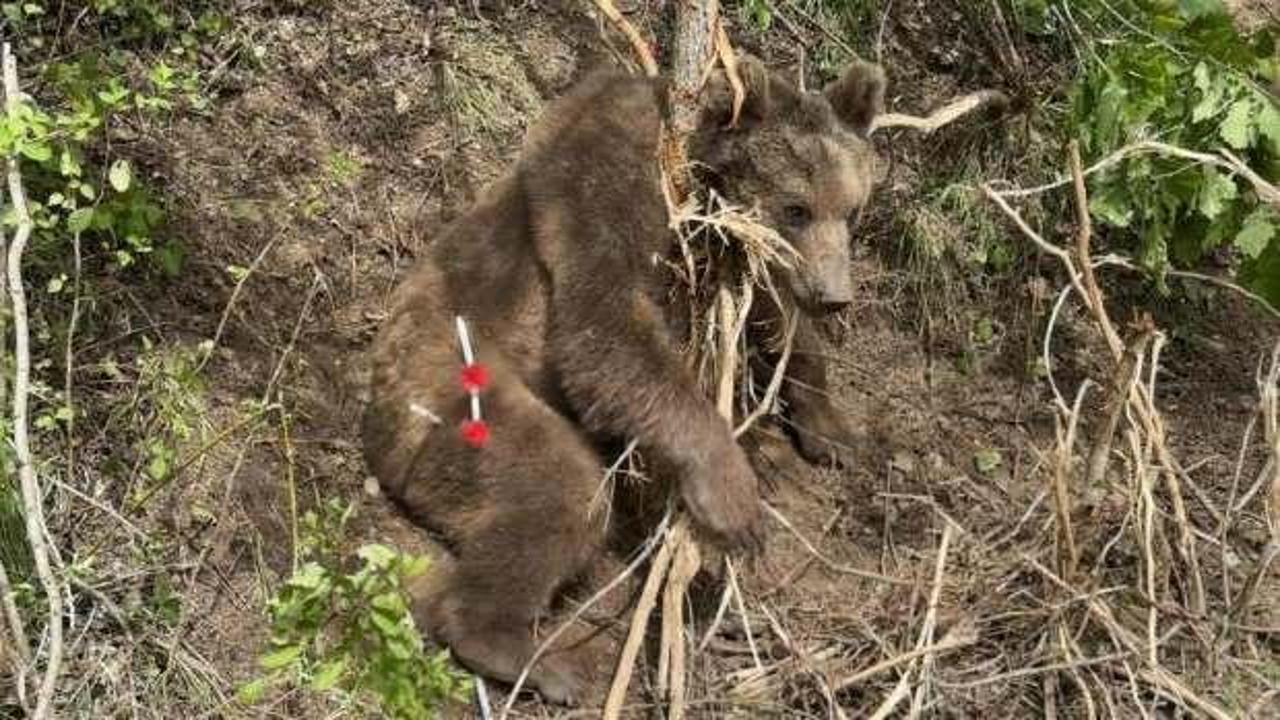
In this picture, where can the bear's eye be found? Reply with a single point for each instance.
(796, 215)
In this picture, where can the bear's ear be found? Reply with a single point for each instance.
(760, 94)
(858, 96)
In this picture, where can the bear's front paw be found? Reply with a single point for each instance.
(823, 436)
(723, 496)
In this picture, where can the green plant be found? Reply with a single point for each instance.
(351, 632)
(128, 60)
(1180, 73)
(847, 23)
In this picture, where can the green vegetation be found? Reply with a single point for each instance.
(1178, 73)
(129, 62)
(351, 632)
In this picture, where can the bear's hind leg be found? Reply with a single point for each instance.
(536, 532)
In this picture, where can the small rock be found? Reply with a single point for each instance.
(904, 462)
(400, 102)
(371, 487)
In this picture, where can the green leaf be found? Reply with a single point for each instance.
(376, 554)
(158, 466)
(388, 602)
(120, 175)
(1216, 193)
(987, 460)
(1237, 129)
(388, 626)
(1112, 206)
(68, 166)
(251, 692)
(1193, 9)
(38, 152)
(1269, 123)
(328, 674)
(78, 221)
(56, 284)
(280, 658)
(170, 257)
(1259, 229)
(416, 565)
(310, 577)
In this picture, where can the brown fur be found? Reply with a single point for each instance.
(554, 272)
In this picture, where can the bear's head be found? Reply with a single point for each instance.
(803, 158)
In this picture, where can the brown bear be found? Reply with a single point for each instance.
(555, 271)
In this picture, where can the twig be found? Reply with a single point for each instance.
(828, 562)
(1270, 392)
(639, 619)
(684, 566)
(235, 295)
(69, 360)
(742, 612)
(638, 43)
(822, 28)
(1122, 383)
(13, 622)
(775, 382)
(1146, 529)
(958, 637)
(900, 692)
(805, 661)
(1154, 675)
(931, 622)
(1068, 555)
(1084, 234)
(943, 116)
(1037, 670)
(33, 505)
(1224, 160)
(291, 481)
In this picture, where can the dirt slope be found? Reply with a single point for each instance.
(373, 123)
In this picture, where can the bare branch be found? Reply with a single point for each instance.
(943, 116)
(638, 44)
(32, 500)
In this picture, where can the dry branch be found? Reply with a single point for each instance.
(943, 116)
(32, 497)
(1122, 381)
(1068, 554)
(958, 637)
(1223, 160)
(639, 619)
(1151, 465)
(638, 44)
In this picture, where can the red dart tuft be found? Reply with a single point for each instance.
(475, 432)
(474, 377)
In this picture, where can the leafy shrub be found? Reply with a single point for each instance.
(352, 631)
(127, 59)
(1180, 73)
